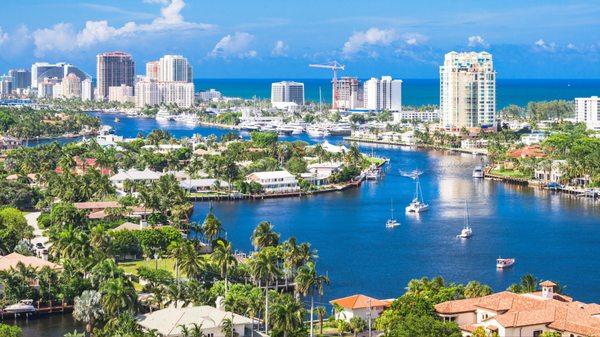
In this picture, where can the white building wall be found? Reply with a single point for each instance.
(87, 90)
(588, 111)
(287, 92)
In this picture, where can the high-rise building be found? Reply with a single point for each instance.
(174, 68)
(122, 94)
(57, 90)
(150, 92)
(588, 111)
(467, 90)
(21, 78)
(152, 70)
(71, 86)
(349, 92)
(113, 70)
(42, 70)
(45, 88)
(6, 85)
(383, 94)
(87, 92)
(210, 95)
(287, 92)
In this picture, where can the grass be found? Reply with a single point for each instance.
(131, 267)
(375, 160)
(511, 173)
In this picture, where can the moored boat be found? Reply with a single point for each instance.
(24, 306)
(478, 172)
(504, 263)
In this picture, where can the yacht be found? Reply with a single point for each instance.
(117, 120)
(340, 129)
(317, 132)
(164, 116)
(189, 119)
(24, 306)
(417, 205)
(249, 126)
(504, 263)
(391, 223)
(478, 172)
(466, 232)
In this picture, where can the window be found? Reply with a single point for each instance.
(537, 333)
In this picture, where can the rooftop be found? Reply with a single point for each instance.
(360, 301)
(11, 260)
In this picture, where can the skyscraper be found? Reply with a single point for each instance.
(383, 94)
(21, 78)
(588, 111)
(113, 70)
(349, 92)
(467, 90)
(149, 92)
(286, 92)
(71, 86)
(152, 70)
(174, 68)
(42, 70)
(87, 92)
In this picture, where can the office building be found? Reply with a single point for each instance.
(45, 88)
(152, 70)
(114, 69)
(87, 91)
(174, 68)
(286, 94)
(42, 70)
(383, 94)
(151, 93)
(588, 111)
(350, 93)
(6, 85)
(21, 78)
(467, 90)
(210, 95)
(71, 86)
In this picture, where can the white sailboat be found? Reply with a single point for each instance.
(417, 205)
(466, 232)
(391, 223)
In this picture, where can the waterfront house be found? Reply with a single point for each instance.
(203, 185)
(533, 151)
(134, 175)
(11, 261)
(554, 173)
(8, 142)
(275, 181)
(360, 306)
(162, 148)
(168, 322)
(82, 165)
(533, 138)
(327, 168)
(531, 314)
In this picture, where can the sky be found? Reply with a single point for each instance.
(278, 39)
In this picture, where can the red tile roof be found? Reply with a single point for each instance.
(360, 301)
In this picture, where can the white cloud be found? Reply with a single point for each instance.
(280, 49)
(477, 41)
(62, 36)
(373, 36)
(413, 39)
(3, 36)
(237, 45)
(543, 45)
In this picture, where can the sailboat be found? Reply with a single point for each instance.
(466, 232)
(417, 205)
(391, 223)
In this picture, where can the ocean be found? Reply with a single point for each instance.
(417, 92)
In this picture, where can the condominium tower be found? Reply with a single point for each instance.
(383, 94)
(588, 111)
(467, 90)
(287, 92)
(174, 68)
(349, 93)
(113, 70)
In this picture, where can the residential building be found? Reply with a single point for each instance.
(275, 181)
(6, 86)
(45, 88)
(361, 306)
(71, 86)
(383, 94)
(588, 111)
(57, 90)
(10, 262)
(210, 95)
(152, 70)
(42, 70)
(121, 94)
(134, 175)
(416, 116)
(87, 91)
(349, 93)
(553, 171)
(285, 94)
(21, 78)
(174, 68)
(533, 138)
(150, 92)
(113, 70)
(467, 90)
(168, 322)
(507, 314)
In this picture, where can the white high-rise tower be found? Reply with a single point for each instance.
(174, 68)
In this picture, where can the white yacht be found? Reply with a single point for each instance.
(417, 205)
(164, 116)
(391, 223)
(316, 132)
(478, 172)
(189, 119)
(504, 263)
(340, 129)
(24, 306)
(466, 232)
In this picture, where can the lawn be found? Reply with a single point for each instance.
(511, 173)
(376, 160)
(131, 267)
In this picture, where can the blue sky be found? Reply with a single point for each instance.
(278, 39)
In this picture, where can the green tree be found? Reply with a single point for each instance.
(357, 325)
(287, 316)
(224, 257)
(264, 236)
(309, 282)
(118, 297)
(475, 289)
(88, 309)
(10, 331)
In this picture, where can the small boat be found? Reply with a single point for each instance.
(24, 306)
(504, 263)
(391, 223)
(117, 120)
(466, 232)
(164, 116)
(417, 205)
(478, 172)
(372, 174)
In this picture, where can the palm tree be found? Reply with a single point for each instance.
(190, 261)
(118, 296)
(211, 227)
(88, 309)
(287, 315)
(264, 236)
(177, 250)
(321, 312)
(309, 282)
(265, 268)
(223, 256)
(196, 330)
(227, 327)
(529, 283)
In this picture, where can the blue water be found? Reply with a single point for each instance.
(419, 91)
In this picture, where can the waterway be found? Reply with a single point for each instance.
(553, 236)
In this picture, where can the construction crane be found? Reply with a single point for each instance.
(334, 66)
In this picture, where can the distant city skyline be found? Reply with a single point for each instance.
(232, 39)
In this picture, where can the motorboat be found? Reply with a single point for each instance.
(373, 174)
(391, 223)
(504, 263)
(188, 119)
(117, 120)
(317, 132)
(24, 306)
(467, 231)
(164, 116)
(417, 205)
(340, 129)
(478, 172)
